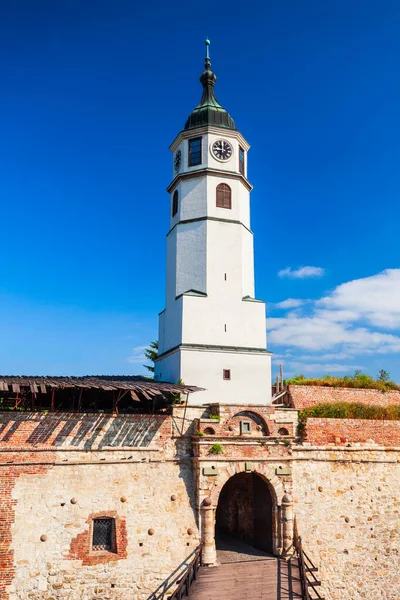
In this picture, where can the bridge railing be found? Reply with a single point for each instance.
(188, 577)
(307, 569)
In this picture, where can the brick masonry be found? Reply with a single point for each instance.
(81, 544)
(343, 431)
(8, 477)
(67, 468)
(59, 471)
(306, 396)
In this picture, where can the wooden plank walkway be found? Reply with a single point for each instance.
(268, 579)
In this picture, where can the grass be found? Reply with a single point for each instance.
(216, 449)
(357, 380)
(351, 410)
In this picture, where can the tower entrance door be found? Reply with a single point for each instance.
(244, 510)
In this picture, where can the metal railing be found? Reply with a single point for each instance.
(188, 577)
(307, 571)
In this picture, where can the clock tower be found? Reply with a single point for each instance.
(212, 332)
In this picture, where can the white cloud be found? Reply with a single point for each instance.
(137, 356)
(290, 303)
(375, 299)
(346, 321)
(301, 272)
(324, 368)
(318, 333)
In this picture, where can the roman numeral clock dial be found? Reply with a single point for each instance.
(177, 161)
(221, 150)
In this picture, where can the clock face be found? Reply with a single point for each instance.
(177, 160)
(222, 150)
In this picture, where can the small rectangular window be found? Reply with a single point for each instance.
(227, 373)
(241, 160)
(103, 535)
(194, 152)
(245, 427)
(175, 200)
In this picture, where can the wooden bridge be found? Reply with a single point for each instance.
(269, 579)
(262, 578)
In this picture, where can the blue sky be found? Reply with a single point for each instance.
(92, 95)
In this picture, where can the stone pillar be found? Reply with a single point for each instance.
(209, 556)
(276, 529)
(287, 525)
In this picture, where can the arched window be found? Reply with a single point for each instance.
(224, 196)
(209, 431)
(283, 431)
(175, 203)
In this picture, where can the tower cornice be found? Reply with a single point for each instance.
(228, 133)
(209, 171)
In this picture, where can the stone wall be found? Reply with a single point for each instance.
(347, 505)
(343, 431)
(305, 396)
(69, 469)
(59, 472)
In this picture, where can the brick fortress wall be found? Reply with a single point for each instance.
(306, 396)
(347, 495)
(58, 472)
(343, 431)
(322, 431)
(347, 507)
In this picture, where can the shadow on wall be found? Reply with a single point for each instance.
(173, 578)
(85, 431)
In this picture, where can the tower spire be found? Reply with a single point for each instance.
(209, 111)
(207, 62)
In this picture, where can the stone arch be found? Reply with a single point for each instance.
(250, 415)
(245, 512)
(209, 502)
(274, 483)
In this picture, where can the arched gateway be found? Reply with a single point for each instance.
(244, 511)
(251, 505)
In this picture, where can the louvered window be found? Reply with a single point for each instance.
(224, 196)
(103, 535)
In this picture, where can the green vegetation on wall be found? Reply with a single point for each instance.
(351, 410)
(357, 380)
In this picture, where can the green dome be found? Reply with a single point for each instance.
(209, 111)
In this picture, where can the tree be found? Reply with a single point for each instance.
(384, 376)
(151, 354)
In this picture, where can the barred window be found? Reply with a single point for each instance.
(224, 196)
(194, 152)
(175, 199)
(103, 537)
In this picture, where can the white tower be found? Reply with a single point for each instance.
(212, 332)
